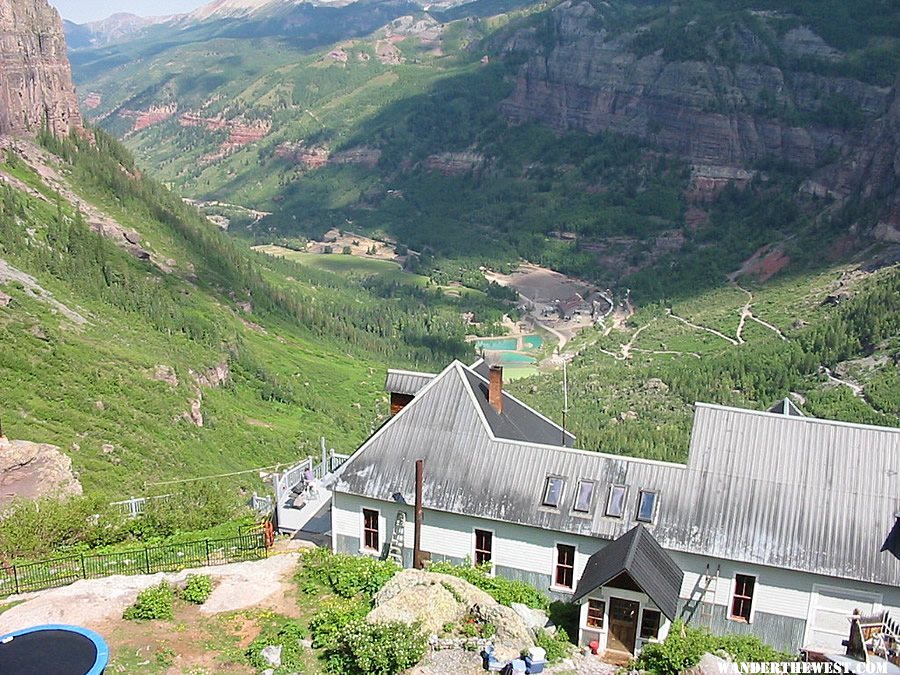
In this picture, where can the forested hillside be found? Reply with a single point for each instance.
(725, 168)
(186, 354)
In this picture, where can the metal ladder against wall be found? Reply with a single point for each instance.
(708, 598)
(395, 552)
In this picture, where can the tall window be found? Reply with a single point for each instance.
(565, 566)
(596, 610)
(615, 504)
(742, 600)
(370, 530)
(646, 506)
(585, 496)
(484, 546)
(553, 491)
(650, 624)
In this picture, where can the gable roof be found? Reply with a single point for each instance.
(786, 406)
(764, 488)
(639, 555)
(406, 382)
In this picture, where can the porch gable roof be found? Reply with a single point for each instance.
(639, 555)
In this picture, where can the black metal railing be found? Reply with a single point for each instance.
(36, 576)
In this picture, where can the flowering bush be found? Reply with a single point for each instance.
(152, 603)
(197, 589)
(346, 575)
(377, 648)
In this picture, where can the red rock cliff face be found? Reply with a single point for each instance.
(35, 78)
(709, 113)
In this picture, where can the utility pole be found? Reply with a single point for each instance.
(565, 400)
(418, 563)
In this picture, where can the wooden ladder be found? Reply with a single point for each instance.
(708, 597)
(395, 552)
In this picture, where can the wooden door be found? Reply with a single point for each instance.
(623, 620)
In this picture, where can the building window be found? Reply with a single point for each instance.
(650, 624)
(370, 530)
(584, 496)
(484, 545)
(553, 491)
(615, 504)
(646, 506)
(565, 566)
(596, 610)
(742, 600)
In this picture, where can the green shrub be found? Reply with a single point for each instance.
(377, 649)
(556, 645)
(685, 645)
(197, 589)
(330, 620)
(504, 591)
(155, 602)
(288, 636)
(347, 575)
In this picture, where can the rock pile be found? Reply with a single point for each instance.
(436, 600)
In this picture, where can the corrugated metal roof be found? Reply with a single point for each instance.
(792, 492)
(639, 555)
(406, 381)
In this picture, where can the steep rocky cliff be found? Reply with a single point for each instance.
(35, 78)
(748, 95)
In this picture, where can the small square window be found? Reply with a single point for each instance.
(553, 491)
(615, 504)
(646, 506)
(585, 496)
(650, 624)
(596, 610)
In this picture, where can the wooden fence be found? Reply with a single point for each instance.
(61, 571)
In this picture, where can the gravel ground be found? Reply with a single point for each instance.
(93, 602)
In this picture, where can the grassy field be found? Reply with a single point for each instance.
(348, 265)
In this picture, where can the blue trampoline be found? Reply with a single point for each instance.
(53, 650)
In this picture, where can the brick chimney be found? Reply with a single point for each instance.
(495, 388)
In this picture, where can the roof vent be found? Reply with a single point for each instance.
(495, 388)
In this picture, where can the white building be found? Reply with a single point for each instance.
(778, 524)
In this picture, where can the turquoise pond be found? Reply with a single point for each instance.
(509, 344)
(533, 341)
(504, 344)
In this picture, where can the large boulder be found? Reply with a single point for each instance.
(435, 600)
(431, 604)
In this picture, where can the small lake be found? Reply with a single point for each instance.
(509, 344)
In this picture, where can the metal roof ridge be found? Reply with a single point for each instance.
(418, 373)
(794, 418)
(472, 370)
(384, 427)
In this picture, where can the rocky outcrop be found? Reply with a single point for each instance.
(722, 116)
(435, 600)
(34, 470)
(35, 77)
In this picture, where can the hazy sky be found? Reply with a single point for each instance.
(81, 11)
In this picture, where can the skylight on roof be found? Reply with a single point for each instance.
(553, 492)
(615, 504)
(646, 506)
(584, 496)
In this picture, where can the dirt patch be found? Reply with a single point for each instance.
(96, 603)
